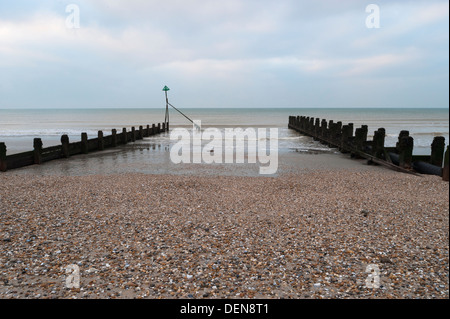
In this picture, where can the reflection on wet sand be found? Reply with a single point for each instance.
(149, 157)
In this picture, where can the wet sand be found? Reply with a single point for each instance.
(150, 156)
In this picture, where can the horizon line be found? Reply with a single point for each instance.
(231, 107)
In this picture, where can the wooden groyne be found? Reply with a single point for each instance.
(41, 155)
(354, 142)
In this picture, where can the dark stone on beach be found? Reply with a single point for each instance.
(385, 260)
(365, 213)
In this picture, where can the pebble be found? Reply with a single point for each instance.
(222, 236)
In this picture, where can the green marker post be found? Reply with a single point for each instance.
(166, 119)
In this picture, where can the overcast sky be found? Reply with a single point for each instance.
(276, 53)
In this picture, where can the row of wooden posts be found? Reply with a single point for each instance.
(40, 155)
(354, 141)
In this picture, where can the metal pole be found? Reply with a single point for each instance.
(166, 119)
(165, 89)
(167, 111)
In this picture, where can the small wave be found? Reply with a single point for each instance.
(43, 133)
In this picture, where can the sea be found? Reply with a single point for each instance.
(18, 127)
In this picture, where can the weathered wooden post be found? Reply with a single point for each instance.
(153, 129)
(357, 139)
(405, 147)
(350, 135)
(337, 133)
(84, 143)
(308, 124)
(364, 130)
(141, 133)
(65, 146)
(378, 143)
(147, 134)
(402, 133)
(37, 145)
(323, 129)
(437, 151)
(124, 136)
(330, 127)
(113, 137)
(350, 130)
(163, 129)
(317, 129)
(101, 141)
(360, 139)
(334, 133)
(445, 170)
(344, 138)
(133, 134)
(3, 166)
(311, 126)
(158, 128)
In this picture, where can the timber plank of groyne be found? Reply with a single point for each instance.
(92, 144)
(51, 153)
(75, 148)
(20, 160)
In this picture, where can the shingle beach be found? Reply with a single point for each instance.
(307, 235)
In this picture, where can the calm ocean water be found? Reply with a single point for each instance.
(19, 127)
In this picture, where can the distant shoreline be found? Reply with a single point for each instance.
(231, 108)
